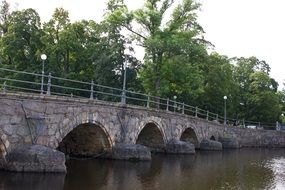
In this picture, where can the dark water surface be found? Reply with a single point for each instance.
(243, 169)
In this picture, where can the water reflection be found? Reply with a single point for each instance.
(29, 181)
(277, 165)
(237, 169)
(87, 174)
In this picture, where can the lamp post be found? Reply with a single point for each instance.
(175, 97)
(242, 112)
(123, 100)
(43, 57)
(225, 110)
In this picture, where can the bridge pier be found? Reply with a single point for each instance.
(90, 127)
(210, 145)
(131, 152)
(229, 143)
(179, 147)
(35, 158)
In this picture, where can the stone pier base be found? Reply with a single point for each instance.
(35, 158)
(2, 162)
(131, 152)
(229, 143)
(210, 145)
(180, 147)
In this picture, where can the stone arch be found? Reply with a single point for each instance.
(189, 135)
(2, 148)
(3, 152)
(157, 121)
(86, 140)
(69, 123)
(151, 135)
(85, 119)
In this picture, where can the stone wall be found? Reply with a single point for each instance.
(257, 138)
(27, 119)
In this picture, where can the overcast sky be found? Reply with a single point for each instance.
(236, 27)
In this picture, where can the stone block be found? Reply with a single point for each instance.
(2, 162)
(16, 119)
(35, 158)
(4, 119)
(210, 145)
(131, 152)
(229, 143)
(180, 147)
(22, 130)
(9, 129)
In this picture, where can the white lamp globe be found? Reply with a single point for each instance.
(43, 56)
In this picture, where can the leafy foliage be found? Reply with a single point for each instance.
(176, 61)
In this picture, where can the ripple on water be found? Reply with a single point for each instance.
(277, 166)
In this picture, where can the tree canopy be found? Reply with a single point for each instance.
(177, 60)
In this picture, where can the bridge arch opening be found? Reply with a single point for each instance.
(189, 135)
(213, 138)
(152, 137)
(2, 153)
(86, 140)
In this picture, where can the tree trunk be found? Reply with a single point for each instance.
(158, 62)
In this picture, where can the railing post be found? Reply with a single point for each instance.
(207, 115)
(91, 90)
(42, 82)
(167, 104)
(148, 100)
(196, 112)
(49, 84)
(183, 106)
(123, 97)
(4, 87)
(217, 117)
(71, 95)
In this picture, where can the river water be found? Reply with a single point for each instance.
(243, 169)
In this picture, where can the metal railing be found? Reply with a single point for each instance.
(32, 82)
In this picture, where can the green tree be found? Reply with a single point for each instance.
(219, 82)
(162, 40)
(263, 101)
(258, 91)
(116, 49)
(55, 47)
(4, 17)
(282, 103)
(21, 43)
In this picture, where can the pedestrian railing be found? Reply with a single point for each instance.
(14, 81)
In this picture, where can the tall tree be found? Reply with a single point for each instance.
(4, 17)
(55, 48)
(164, 38)
(258, 91)
(118, 50)
(263, 103)
(219, 82)
(21, 43)
(282, 103)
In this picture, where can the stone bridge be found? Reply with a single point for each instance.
(83, 127)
